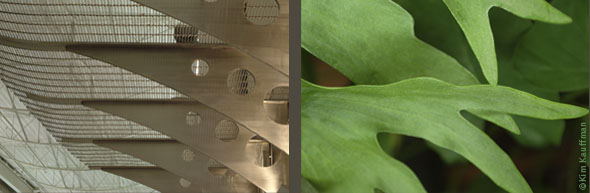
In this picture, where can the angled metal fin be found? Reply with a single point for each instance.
(263, 33)
(182, 161)
(202, 129)
(235, 84)
(155, 178)
(206, 131)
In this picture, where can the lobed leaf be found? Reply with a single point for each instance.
(435, 25)
(339, 128)
(381, 51)
(373, 42)
(472, 16)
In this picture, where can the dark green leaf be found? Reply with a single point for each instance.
(556, 56)
(472, 16)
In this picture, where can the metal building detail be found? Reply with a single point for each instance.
(145, 95)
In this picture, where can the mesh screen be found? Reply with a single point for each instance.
(69, 75)
(91, 21)
(241, 82)
(93, 155)
(58, 74)
(261, 12)
(226, 130)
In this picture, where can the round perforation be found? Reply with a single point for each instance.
(200, 68)
(261, 12)
(188, 155)
(226, 130)
(184, 183)
(241, 82)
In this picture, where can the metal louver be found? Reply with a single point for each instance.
(70, 68)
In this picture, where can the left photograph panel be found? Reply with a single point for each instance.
(144, 96)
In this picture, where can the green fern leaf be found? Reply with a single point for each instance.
(340, 152)
(472, 16)
(372, 42)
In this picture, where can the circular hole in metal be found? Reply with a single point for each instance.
(226, 130)
(241, 82)
(261, 152)
(200, 67)
(184, 183)
(193, 119)
(261, 12)
(276, 104)
(188, 155)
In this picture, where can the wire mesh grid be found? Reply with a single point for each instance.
(65, 75)
(68, 75)
(36, 156)
(261, 12)
(93, 21)
(241, 82)
(97, 156)
(76, 121)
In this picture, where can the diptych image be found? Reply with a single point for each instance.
(383, 96)
(444, 96)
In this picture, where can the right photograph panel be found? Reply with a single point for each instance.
(444, 96)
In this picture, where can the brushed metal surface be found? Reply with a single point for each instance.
(225, 20)
(169, 118)
(156, 178)
(182, 161)
(171, 66)
(277, 111)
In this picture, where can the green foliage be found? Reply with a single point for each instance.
(373, 42)
(472, 16)
(341, 126)
(556, 57)
(307, 187)
(376, 49)
(435, 25)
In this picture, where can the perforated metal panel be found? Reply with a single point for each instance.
(200, 67)
(241, 82)
(34, 74)
(261, 12)
(226, 130)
